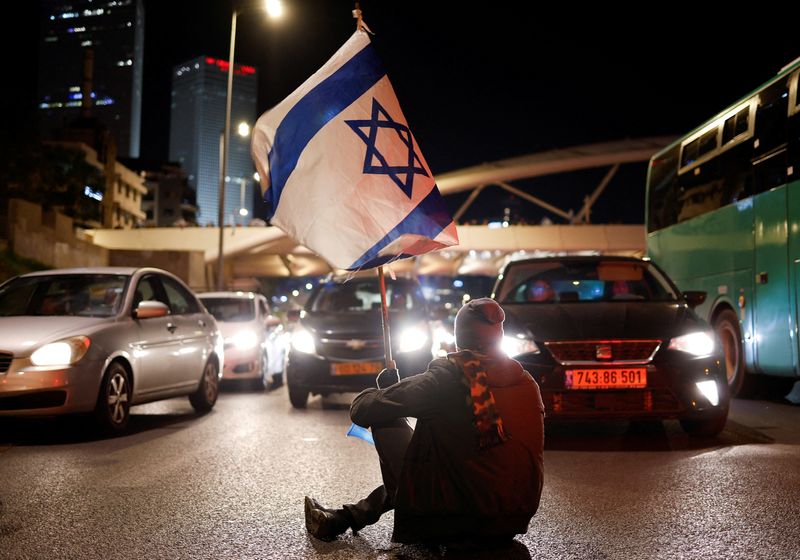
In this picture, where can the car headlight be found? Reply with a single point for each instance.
(243, 340)
(696, 344)
(62, 353)
(443, 336)
(303, 341)
(443, 340)
(514, 345)
(411, 339)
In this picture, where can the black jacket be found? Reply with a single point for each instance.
(449, 489)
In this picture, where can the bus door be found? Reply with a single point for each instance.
(773, 312)
(793, 200)
(793, 211)
(772, 320)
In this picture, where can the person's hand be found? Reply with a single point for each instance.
(387, 378)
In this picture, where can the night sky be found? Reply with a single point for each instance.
(478, 85)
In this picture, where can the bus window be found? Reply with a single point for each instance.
(662, 205)
(793, 130)
(698, 149)
(735, 126)
(770, 144)
(699, 199)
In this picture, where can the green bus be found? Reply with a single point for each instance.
(723, 216)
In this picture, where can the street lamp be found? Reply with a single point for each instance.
(242, 130)
(274, 9)
(243, 211)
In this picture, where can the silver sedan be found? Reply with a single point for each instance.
(101, 340)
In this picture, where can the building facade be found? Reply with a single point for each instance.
(197, 121)
(124, 188)
(95, 48)
(170, 201)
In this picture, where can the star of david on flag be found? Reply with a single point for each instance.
(342, 171)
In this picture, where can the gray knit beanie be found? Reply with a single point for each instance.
(479, 325)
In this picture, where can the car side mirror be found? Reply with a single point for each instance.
(150, 309)
(293, 315)
(694, 298)
(272, 321)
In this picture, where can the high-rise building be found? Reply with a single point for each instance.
(96, 47)
(197, 121)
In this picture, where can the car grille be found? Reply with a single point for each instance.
(5, 361)
(650, 400)
(46, 399)
(350, 348)
(603, 351)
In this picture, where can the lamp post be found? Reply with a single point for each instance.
(243, 130)
(274, 9)
(243, 211)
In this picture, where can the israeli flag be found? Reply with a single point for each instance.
(342, 171)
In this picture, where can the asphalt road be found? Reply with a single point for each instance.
(230, 485)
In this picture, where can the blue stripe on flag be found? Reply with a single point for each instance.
(319, 106)
(428, 218)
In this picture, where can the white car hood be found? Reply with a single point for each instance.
(23, 335)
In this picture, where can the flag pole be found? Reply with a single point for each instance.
(387, 339)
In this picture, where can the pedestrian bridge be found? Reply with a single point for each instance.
(268, 252)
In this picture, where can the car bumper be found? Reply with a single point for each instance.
(241, 364)
(671, 393)
(27, 390)
(315, 373)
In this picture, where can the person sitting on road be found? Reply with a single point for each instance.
(471, 472)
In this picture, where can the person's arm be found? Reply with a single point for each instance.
(417, 396)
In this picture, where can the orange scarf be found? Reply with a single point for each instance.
(486, 418)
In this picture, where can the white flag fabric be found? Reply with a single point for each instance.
(341, 170)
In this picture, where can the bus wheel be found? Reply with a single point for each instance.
(726, 326)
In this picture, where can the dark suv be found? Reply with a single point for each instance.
(337, 343)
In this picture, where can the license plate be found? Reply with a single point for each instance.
(622, 378)
(356, 368)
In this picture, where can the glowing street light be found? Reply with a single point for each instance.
(274, 9)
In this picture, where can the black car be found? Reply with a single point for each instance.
(337, 344)
(612, 337)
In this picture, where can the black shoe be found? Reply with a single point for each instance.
(323, 523)
(316, 505)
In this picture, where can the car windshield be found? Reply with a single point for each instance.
(85, 295)
(570, 281)
(358, 296)
(231, 310)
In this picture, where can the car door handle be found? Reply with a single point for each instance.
(201, 323)
(171, 327)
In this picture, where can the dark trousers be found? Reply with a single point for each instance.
(391, 442)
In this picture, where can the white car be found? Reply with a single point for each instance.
(255, 340)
